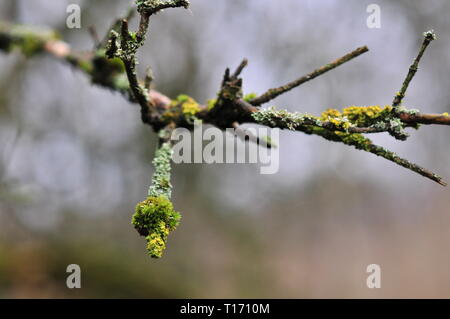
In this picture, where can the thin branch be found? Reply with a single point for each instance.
(353, 129)
(94, 35)
(246, 107)
(240, 68)
(362, 143)
(149, 78)
(143, 28)
(147, 8)
(130, 66)
(116, 26)
(273, 93)
(150, 7)
(428, 37)
(420, 118)
(129, 45)
(247, 135)
(311, 125)
(391, 156)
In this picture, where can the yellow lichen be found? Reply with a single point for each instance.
(250, 96)
(154, 218)
(330, 113)
(365, 115)
(169, 116)
(189, 106)
(211, 103)
(155, 245)
(360, 116)
(335, 117)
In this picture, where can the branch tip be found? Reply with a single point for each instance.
(240, 68)
(428, 37)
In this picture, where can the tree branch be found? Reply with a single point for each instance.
(273, 93)
(428, 37)
(419, 118)
(231, 108)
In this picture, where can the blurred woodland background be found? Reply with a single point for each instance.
(75, 159)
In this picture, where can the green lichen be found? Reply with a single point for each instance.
(359, 141)
(377, 117)
(161, 178)
(153, 6)
(120, 83)
(29, 41)
(104, 71)
(284, 119)
(211, 103)
(382, 119)
(86, 66)
(154, 218)
(115, 64)
(190, 109)
(123, 47)
(183, 107)
(402, 109)
(269, 142)
(107, 72)
(250, 96)
(30, 45)
(396, 128)
(188, 105)
(353, 116)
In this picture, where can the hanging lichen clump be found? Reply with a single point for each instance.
(155, 217)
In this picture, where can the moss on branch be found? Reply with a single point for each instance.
(335, 126)
(154, 218)
(30, 41)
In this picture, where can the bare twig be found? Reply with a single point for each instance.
(428, 37)
(94, 35)
(420, 118)
(240, 68)
(116, 26)
(149, 78)
(273, 93)
(247, 135)
(391, 156)
(130, 65)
